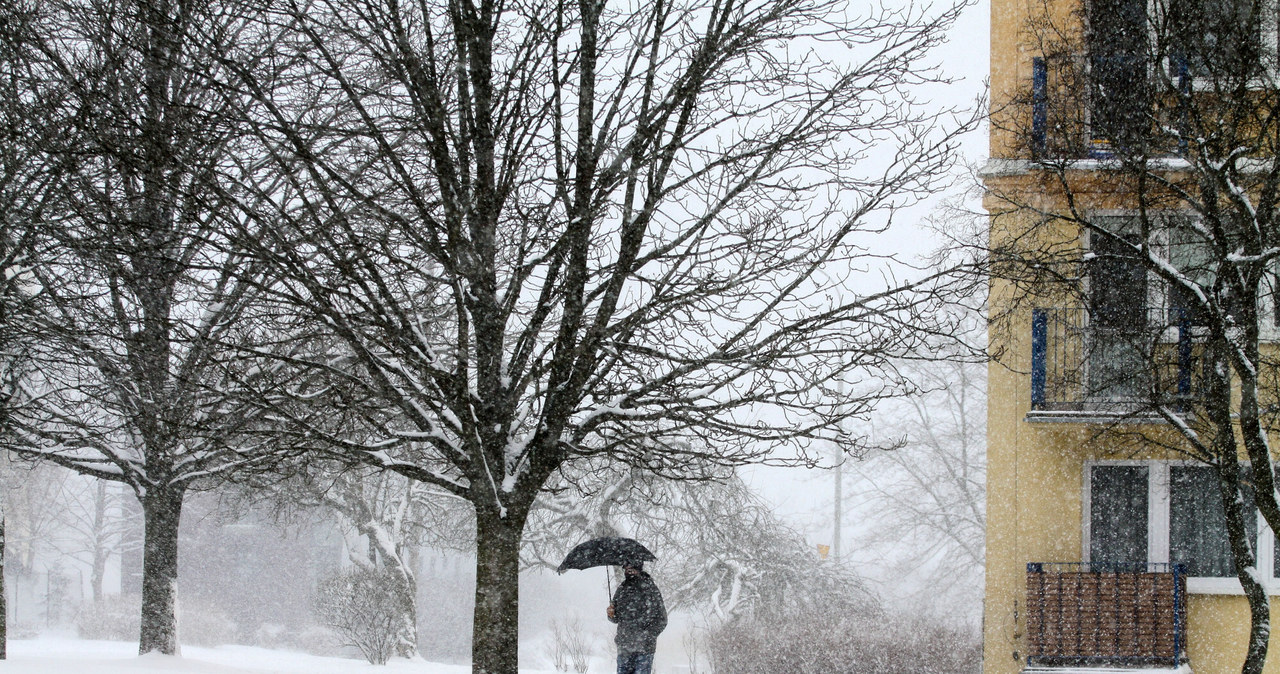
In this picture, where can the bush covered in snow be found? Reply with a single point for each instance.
(833, 642)
(360, 606)
(819, 618)
(202, 625)
(115, 618)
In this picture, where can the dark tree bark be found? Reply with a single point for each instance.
(1232, 496)
(497, 603)
(161, 512)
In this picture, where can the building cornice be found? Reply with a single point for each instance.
(996, 167)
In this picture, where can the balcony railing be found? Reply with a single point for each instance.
(1145, 362)
(1112, 615)
(1071, 118)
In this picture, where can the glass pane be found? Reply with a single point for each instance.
(1118, 514)
(1273, 290)
(1275, 556)
(1117, 314)
(1198, 527)
(1191, 254)
(1117, 61)
(1117, 280)
(1215, 37)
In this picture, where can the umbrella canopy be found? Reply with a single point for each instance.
(605, 551)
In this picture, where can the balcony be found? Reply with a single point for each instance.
(1120, 616)
(1088, 107)
(1085, 370)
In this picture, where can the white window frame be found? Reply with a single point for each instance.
(1270, 38)
(1158, 295)
(1158, 522)
(1269, 35)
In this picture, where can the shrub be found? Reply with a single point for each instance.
(571, 646)
(361, 607)
(203, 625)
(115, 618)
(835, 643)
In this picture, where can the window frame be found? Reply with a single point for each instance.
(1159, 296)
(1268, 35)
(1165, 66)
(1158, 528)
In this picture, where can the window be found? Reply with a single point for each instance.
(1118, 95)
(1118, 301)
(1118, 514)
(1189, 252)
(1135, 320)
(1198, 525)
(1216, 38)
(1117, 275)
(1161, 511)
(1214, 43)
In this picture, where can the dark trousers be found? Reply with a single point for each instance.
(635, 663)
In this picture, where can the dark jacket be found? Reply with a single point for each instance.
(640, 614)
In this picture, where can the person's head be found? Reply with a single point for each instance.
(633, 568)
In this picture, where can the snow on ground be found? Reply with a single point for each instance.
(73, 656)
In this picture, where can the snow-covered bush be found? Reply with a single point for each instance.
(571, 646)
(833, 642)
(202, 625)
(818, 618)
(361, 607)
(115, 618)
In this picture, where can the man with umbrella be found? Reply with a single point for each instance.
(638, 610)
(636, 607)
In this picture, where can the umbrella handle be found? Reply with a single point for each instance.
(608, 581)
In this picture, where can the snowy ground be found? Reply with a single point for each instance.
(71, 656)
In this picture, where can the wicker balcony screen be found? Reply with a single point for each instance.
(1115, 614)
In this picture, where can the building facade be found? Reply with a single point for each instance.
(1134, 255)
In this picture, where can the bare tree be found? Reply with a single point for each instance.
(94, 523)
(748, 561)
(1141, 192)
(23, 203)
(541, 232)
(136, 291)
(923, 501)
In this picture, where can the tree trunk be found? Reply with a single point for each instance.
(1245, 556)
(101, 550)
(406, 591)
(1226, 461)
(161, 512)
(495, 643)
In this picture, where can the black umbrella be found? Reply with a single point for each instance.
(605, 551)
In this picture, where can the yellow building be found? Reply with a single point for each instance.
(1106, 543)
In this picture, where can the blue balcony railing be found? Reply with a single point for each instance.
(1106, 614)
(1092, 105)
(1141, 362)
